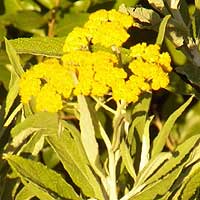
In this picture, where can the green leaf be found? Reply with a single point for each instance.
(11, 96)
(161, 32)
(41, 176)
(153, 165)
(191, 72)
(188, 126)
(189, 188)
(177, 56)
(41, 120)
(159, 188)
(44, 46)
(30, 190)
(80, 6)
(179, 86)
(3, 32)
(4, 76)
(145, 15)
(49, 156)
(69, 21)
(30, 5)
(160, 140)
(14, 59)
(12, 6)
(70, 151)
(127, 160)
(159, 6)
(145, 152)
(28, 20)
(181, 152)
(50, 4)
(35, 144)
(128, 3)
(89, 127)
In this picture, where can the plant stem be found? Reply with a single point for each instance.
(112, 176)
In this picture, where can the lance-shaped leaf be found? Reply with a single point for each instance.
(160, 140)
(182, 152)
(30, 190)
(39, 175)
(16, 71)
(127, 160)
(45, 46)
(89, 128)
(69, 150)
(14, 58)
(161, 32)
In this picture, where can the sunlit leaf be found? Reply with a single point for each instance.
(30, 190)
(45, 46)
(30, 5)
(161, 32)
(128, 162)
(89, 127)
(44, 178)
(70, 151)
(160, 140)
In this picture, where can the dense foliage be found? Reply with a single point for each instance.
(99, 99)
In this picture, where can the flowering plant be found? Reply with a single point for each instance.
(83, 123)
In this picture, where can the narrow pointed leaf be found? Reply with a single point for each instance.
(88, 127)
(161, 32)
(145, 154)
(160, 140)
(45, 46)
(40, 175)
(14, 58)
(69, 150)
(126, 157)
(30, 190)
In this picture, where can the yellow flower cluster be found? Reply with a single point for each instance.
(103, 27)
(48, 82)
(96, 73)
(149, 64)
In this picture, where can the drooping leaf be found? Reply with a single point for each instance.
(30, 190)
(44, 46)
(14, 58)
(89, 127)
(159, 188)
(39, 175)
(35, 144)
(145, 151)
(127, 160)
(160, 140)
(41, 120)
(153, 165)
(181, 152)
(70, 151)
(161, 31)
(177, 56)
